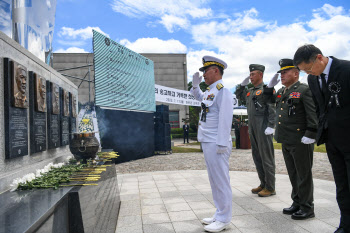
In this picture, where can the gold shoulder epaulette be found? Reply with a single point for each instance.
(219, 86)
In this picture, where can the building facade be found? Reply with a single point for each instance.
(170, 70)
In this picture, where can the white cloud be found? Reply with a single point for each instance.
(155, 45)
(170, 22)
(71, 50)
(244, 39)
(82, 33)
(172, 13)
(330, 10)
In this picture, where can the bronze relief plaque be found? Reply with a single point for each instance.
(55, 90)
(40, 94)
(19, 86)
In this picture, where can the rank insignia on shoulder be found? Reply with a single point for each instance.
(219, 86)
(248, 94)
(211, 97)
(258, 92)
(295, 95)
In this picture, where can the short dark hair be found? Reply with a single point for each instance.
(306, 53)
(221, 70)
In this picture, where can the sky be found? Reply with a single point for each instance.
(240, 32)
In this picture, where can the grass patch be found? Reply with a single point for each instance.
(179, 149)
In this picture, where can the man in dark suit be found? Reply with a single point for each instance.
(186, 129)
(329, 82)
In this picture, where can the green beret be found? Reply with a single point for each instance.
(253, 67)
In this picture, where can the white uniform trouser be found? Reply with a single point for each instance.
(218, 172)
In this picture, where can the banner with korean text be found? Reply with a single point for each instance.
(175, 96)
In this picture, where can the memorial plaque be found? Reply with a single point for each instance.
(73, 115)
(15, 109)
(37, 112)
(55, 98)
(64, 106)
(53, 119)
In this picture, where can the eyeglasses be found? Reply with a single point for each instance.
(310, 70)
(206, 71)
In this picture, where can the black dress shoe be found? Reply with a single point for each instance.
(291, 210)
(340, 230)
(301, 215)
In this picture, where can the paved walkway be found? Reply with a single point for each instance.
(175, 201)
(240, 160)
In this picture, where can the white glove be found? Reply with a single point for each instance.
(221, 149)
(245, 81)
(274, 81)
(307, 140)
(196, 80)
(269, 131)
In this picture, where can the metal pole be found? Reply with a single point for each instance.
(83, 79)
(77, 67)
(89, 84)
(70, 76)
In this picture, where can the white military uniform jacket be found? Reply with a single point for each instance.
(217, 127)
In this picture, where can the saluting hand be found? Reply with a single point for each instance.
(196, 80)
(274, 81)
(245, 81)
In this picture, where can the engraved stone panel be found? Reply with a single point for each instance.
(64, 101)
(53, 119)
(15, 109)
(73, 115)
(37, 112)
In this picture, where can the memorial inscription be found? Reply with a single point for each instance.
(37, 112)
(64, 102)
(53, 117)
(73, 115)
(15, 108)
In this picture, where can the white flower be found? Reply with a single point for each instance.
(29, 177)
(15, 184)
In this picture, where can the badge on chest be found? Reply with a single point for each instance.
(211, 97)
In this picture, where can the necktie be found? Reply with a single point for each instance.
(324, 84)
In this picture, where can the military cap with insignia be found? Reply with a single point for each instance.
(286, 64)
(212, 61)
(253, 67)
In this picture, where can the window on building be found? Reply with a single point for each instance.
(174, 119)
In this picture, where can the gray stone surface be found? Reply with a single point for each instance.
(183, 212)
(18, 167)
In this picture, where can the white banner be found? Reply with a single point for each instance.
(175, 96)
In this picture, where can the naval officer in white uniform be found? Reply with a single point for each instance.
(214, 134)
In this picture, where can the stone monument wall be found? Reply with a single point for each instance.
(15, 161)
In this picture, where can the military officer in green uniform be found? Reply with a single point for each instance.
(261, 116)
(296, 128)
